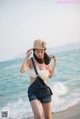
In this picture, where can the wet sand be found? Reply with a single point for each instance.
(70, 113)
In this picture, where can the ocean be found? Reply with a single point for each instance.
(65, 85)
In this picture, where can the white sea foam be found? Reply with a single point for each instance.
(58, 90)
(62, 98)
(18, 109)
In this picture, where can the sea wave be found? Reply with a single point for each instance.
(63, 97)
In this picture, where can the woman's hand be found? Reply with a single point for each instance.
(28, 53)
(55, 60)
(52, 71)
(26, 62)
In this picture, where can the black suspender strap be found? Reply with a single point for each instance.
(34, 66)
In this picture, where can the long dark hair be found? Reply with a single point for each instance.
(45, 60)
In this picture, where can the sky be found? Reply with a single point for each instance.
(23, 21)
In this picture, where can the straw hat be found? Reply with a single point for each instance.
(39, 44)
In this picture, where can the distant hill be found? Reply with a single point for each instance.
(63, 48)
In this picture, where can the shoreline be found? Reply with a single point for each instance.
(72, 112)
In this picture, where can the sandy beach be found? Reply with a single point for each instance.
(72, 112)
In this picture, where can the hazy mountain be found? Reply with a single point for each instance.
(63, 48)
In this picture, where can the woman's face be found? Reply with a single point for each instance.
(39, 53)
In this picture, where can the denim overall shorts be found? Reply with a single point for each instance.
(38, 89)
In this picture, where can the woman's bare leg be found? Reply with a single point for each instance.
(35, 104)
(47, 110)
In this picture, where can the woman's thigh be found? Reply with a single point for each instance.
(36, 107)
(47, 110)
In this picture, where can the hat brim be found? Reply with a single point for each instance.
(39, 48)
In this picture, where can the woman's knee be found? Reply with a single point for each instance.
(38, 116)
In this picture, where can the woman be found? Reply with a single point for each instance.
(39, 70)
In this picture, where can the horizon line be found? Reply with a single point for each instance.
(78, 42)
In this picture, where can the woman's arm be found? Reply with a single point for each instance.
(52, 70)
(26, 62)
